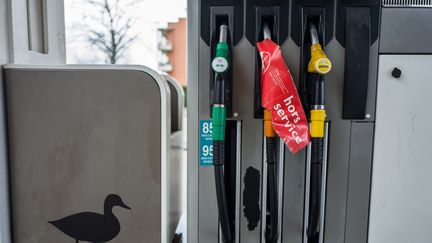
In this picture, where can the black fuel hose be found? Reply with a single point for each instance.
(218, 162)
(272, 232)
(317, 157)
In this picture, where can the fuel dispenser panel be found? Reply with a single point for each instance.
(320, 194)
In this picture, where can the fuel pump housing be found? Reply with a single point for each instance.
(360, 41)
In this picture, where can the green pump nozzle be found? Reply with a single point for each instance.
(220, 65)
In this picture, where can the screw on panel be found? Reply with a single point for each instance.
(396, 73)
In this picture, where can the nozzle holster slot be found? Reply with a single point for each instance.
(356, 75)
(301, 9)
(357, 26)
(258, 10)
(273, 13)
(210, 9)
(269, 16)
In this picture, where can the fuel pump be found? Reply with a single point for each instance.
(338, 106)
(220, 66)
(319, 65)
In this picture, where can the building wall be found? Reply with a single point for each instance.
(178, 55)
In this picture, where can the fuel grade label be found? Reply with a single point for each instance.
(206, 143)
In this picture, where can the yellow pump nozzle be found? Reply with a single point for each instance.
(319, 62)
(321, 65)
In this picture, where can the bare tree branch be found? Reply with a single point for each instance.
(112, 33)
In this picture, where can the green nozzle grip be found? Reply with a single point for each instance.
(222, 50)
(219, 121)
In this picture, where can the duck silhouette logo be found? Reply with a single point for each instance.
(93, 227)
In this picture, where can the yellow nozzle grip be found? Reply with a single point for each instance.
(269, 132)
(317, 123)
(319, 62)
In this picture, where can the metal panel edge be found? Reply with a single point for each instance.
(5, 227)
(193, 169)
(180, 91)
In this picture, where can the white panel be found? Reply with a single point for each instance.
(401, 201)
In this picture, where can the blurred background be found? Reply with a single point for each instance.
(140, 32)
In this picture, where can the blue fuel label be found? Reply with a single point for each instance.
(206, 143)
